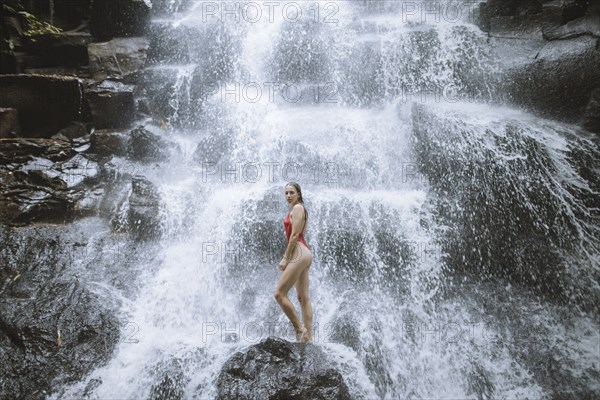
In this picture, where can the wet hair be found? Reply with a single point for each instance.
(300, 200)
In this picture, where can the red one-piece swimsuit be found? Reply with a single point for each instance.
(287, 224)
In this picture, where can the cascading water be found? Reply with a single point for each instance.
(327, 100)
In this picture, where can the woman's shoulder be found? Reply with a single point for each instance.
(298, 207)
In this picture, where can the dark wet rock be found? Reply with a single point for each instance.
(509, 218)
(116, 18)
(160, 91)
(559, 81)
(531, 13)
(93, 201)
(144, 209)
(493, 8)
(45, 190)
(211, 149)
(52, 331)
(118, 59)
(27, 204)
(278, 369)
(91, 386)
(107, 142)
(168, 43)
(171, 382)
(111, 104)
(45, 104)
(160, 7)
(9, 123)
(63, 49)
(58, 175)
(21, 150)
(591, 116)
(53, 328)
(344, 329)
(58, 51)
(210, 65)
(548, 51)
(555, 27)
(147, 146)
(211, 61)
(73, 130)
(346, 249)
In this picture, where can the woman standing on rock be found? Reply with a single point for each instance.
(295, 265)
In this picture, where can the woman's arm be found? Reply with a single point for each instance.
(297, 218)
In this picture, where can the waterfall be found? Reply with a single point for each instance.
(375, 108)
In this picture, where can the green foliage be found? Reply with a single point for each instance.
(35, 27)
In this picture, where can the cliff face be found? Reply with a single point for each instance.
(62, 82)
(550, 52)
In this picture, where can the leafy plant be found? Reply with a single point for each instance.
(36, 27)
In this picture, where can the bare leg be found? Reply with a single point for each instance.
(305, 303)
(288, 278)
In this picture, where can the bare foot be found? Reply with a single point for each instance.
(301, 335)
(306, 338)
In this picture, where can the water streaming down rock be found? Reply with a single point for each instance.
(433, 226)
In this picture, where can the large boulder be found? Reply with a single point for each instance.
(532, 13)
(117, 59)
(106, 142)
(53, 329)
(278, 369)
(558, 80)
(548, 53)
(111, 104)
(45, 103)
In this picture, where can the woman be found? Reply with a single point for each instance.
(295, 264)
